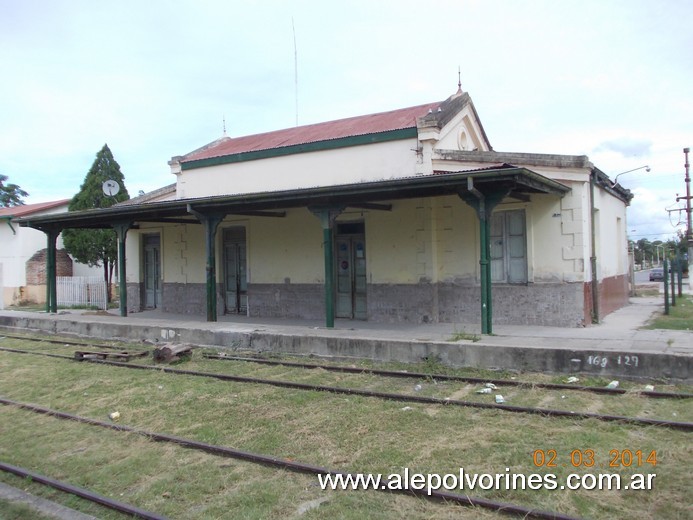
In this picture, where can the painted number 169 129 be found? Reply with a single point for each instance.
(603, 361)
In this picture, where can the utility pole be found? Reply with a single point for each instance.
(689, 231)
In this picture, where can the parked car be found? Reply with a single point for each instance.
(656, 274)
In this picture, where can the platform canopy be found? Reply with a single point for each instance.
(481, 188)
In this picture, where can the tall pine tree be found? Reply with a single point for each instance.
(96, 247)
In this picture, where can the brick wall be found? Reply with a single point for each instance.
(36, 266)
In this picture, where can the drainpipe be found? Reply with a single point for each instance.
(9, 223)
(593, 256)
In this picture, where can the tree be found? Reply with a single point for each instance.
(96, 247)
(10, 194)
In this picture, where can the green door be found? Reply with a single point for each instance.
(152, 271)
(508, 247)
(350, 267)
(235, 279)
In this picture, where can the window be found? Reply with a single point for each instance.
(508, 247)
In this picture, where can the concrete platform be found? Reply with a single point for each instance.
(46, 507)
(618, 347)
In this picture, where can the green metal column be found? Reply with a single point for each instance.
(483, 203)
(484, 267)
(329, 276)
(121, 229)
(327, 216)
(211, 223)
(51, 285)
(486, 257)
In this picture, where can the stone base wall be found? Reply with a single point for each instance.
(176, 298)
(190, 298)
(289, 300)
(134, 297)
(559, 304)
(552, 304)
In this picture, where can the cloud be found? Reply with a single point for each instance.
(648, 216)
(627, 147)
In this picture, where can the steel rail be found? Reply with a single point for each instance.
(59, 342)
(445, 377)
(547, 412)
(295, 466)
(86, 494)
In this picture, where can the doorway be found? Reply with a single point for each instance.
(508, 247)
(350, 258)
(235, 279)
(152, 271)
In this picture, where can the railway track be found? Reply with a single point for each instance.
(83, 493)
(291, 465)
(295, 466)
(547, 412)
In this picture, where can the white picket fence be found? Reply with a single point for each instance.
(79, 291)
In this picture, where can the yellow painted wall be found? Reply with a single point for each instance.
(396, 248)
(432, 239)
(289, 247)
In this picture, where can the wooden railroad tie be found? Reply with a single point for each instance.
(81, 355)
(169, 352)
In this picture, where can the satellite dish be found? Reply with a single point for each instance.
(111, 188)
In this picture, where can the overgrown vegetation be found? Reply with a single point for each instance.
(680, 316)
(347, 432)
(464, 336)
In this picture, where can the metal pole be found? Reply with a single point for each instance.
(666, 286)
(484, 267)
(329, 276)
(673, 284)
(327, 216)
(51, 285)
(593, 252)
(690, 227)
(121, 230)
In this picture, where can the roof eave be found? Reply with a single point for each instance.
(394, 189)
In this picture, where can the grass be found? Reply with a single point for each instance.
(346, 432)
(18, 511)
(464, 336)
(680, 316)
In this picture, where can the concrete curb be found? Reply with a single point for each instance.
(43, 506)
(594, 361)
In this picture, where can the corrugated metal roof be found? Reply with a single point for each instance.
(352, 126)
(30, 209)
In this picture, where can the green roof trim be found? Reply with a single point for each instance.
(317, 146)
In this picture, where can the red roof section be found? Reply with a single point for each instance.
(352, 126)
(30, 209)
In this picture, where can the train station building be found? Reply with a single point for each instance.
(400, 216)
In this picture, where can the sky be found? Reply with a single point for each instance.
(608, 79)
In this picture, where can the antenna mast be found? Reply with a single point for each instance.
(293, 28)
